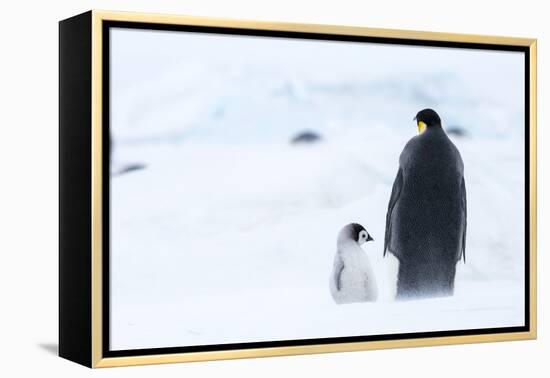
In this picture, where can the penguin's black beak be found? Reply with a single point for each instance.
(369, 238)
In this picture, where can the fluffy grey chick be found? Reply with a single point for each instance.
(352, 278)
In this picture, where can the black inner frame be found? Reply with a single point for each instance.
(107, 25)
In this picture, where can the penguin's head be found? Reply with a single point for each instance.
(355, 232)
(427, 118)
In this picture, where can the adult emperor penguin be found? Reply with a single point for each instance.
(352, 278)
(426, 218)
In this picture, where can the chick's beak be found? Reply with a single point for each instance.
(369, 238)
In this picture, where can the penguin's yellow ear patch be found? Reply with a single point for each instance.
(421, 127)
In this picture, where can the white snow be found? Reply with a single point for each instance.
(229, 232)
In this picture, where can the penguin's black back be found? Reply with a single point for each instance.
(426, 224)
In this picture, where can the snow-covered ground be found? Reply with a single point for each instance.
(228, 234)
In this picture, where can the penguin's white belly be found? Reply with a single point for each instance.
(357, 282)
(389, 282)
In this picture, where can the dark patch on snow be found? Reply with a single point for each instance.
(457, 131)
(306, 137)
(129, 168)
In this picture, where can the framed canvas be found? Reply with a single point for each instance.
(236, 189)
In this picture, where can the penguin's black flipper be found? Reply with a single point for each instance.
(395, 193)
(464, 220)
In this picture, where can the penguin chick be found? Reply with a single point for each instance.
(352, 278)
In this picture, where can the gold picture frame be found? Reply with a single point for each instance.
(82, 272)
